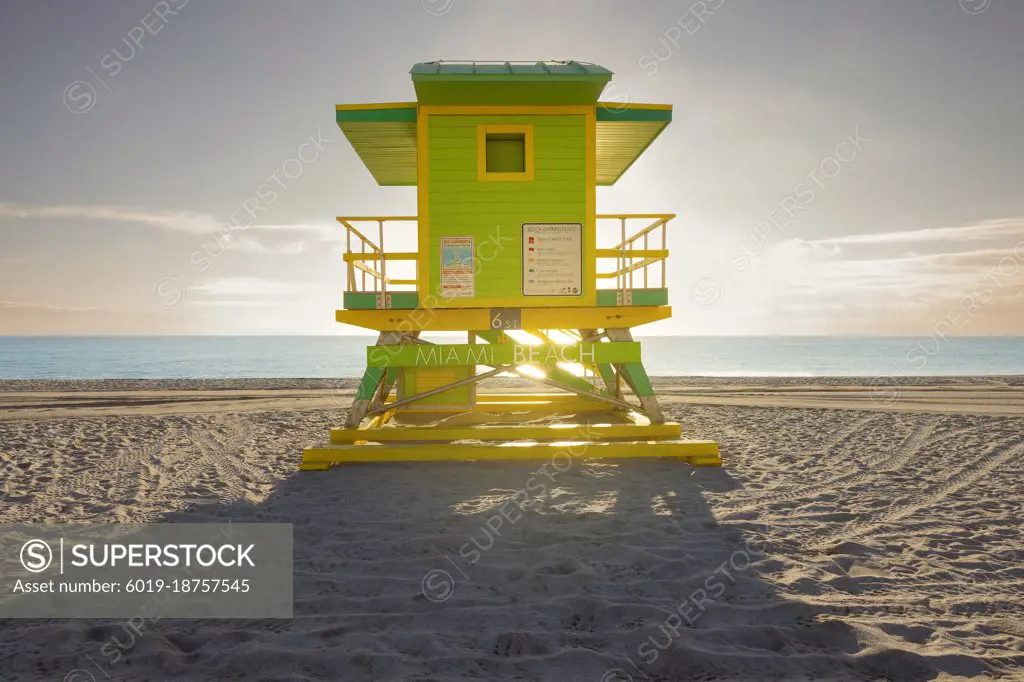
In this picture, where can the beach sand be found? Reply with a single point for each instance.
(859, 530)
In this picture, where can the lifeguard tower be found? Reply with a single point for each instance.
(508, 250)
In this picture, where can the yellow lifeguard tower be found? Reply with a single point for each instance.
(507, 248)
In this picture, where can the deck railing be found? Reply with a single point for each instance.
(633, 254)
(373, 253)
(636, 262)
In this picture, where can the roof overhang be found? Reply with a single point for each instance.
(624, 131)
(508, 83)
(384, 137)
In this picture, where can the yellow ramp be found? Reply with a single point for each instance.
(695, 452)
(562, 432)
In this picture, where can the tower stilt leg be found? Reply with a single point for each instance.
(375, 385)
(636, 376)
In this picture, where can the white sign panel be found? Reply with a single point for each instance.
(457, 273)
(552, 259)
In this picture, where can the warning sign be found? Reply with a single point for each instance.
(552, 259)
(457, 273)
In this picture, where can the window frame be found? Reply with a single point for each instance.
(526, 130)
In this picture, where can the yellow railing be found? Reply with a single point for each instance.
(374, 253)
(633, 254)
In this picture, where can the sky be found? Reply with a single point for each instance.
(837, 167)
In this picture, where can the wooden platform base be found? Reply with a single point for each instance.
(695, 452)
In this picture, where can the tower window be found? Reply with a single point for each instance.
(505, 152)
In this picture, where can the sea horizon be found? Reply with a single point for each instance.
(207, 356)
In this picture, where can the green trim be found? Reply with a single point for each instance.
(644, 297)
(607, 111)
(508, 83)
(367, 300)
(636, 375)
(386, 115)
(371, 379)
(472, 92)
(536, 71)
(489, 335)
(408, 300)
(493, 355)
(564, 376)
(607, 372)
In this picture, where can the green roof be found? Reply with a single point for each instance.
(501, 83)
(567, 70)
(384, 135)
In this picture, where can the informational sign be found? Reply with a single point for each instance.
(552, 259)
(506, 318)
(457, 278)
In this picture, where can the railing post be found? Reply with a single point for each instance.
(645, 267)
(620, 278)
(351, 266)
(362, 251)
(380, 241)
(664, 261)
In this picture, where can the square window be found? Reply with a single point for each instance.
(506, 152)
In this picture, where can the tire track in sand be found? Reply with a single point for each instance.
(967, 473)
(908, 450)
(222, 447)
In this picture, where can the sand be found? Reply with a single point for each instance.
(860, 530)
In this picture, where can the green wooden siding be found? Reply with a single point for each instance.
(608, 297)
(493, 212)
(367, 300)
(493, 355)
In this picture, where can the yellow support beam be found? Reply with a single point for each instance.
(373, 255)
(402, 434)
(461, 319)
(374, 219)
(696, 452)
(484, 398)
(381, 105)
(629, 216)
(628, 253)
(542, 403)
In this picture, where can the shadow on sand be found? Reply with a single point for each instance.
(579, 570)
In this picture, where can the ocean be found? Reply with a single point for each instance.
(195, 357)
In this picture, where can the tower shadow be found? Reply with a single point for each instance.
(572, 569)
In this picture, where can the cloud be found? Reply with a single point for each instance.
(250, 245)
(252, 286)
(184, 221)
(833, 286)
(1004, 228)
(48, 307)
(180, 221)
